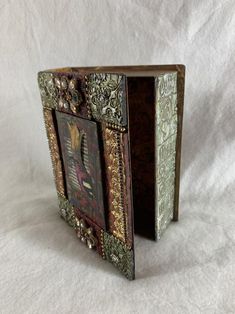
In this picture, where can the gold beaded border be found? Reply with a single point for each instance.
(87, 98)
(116, 182)
(102, 244)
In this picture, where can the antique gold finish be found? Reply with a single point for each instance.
(116, 182)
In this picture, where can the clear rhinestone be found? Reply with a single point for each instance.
(64, 83)
(89, 231)
(72, 84)
(63, 212)
(66, 105)
(61, 103)
(89, 244)
(82, 223)
(79, 234)
(50, 82)
(57, 82)
(73, 108)
(77, 222)
(114, 258)
(83, 239)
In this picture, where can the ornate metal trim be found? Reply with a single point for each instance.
(48, 90)
(106, 95)
(119, 254)
(166, 134)
(83, 231)
(54, 151)
(59, 92)
(116, 182)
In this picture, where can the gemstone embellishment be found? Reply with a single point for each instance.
(84, 232)
(59, 92)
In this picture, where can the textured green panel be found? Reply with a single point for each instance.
(116, 252)
(107, 98)
(66, 211)
(49, 93)
(166, 133)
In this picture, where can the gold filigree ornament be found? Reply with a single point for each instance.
(85, 233)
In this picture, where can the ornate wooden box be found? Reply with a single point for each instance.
(115, 139)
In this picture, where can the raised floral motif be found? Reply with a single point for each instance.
(59, 92)
(69, 97)
(106, 96)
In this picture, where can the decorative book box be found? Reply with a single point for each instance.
(115, 140)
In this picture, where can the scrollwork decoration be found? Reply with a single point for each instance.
(166, 133)
(107, 99)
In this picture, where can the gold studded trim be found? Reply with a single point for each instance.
(115, 127)
(102, 244)
(87, 96)
(116, 182)
(54, 150)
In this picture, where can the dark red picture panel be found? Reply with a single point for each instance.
(80, 150)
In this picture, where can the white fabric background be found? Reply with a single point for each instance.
(43, 267)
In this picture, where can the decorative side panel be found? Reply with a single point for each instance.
(107, 98)
(119, 254)
(116, 181)
(54, 151)
(166, 134)
(80, 149)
